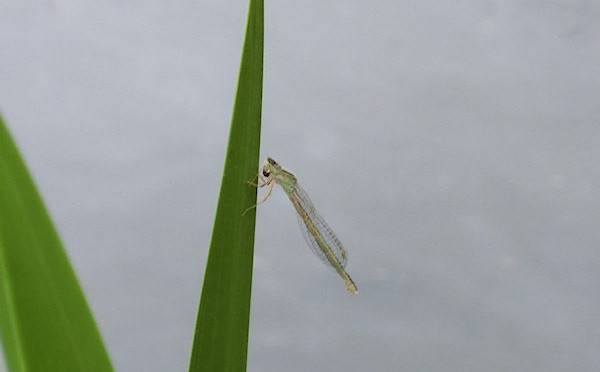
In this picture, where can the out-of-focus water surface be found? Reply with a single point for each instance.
(453, 147)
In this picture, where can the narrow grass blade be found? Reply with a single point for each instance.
(45, 322)
(221, 337)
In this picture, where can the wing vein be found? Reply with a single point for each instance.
(338, 250)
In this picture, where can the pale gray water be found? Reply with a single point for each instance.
(454, 147)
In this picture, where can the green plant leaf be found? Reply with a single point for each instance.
(45, 321)
(221, 337)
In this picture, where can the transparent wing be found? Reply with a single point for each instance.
(321, 226)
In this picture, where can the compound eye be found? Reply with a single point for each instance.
(266, 173)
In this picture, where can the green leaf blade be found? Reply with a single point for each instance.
(45, 321)
(221, 336)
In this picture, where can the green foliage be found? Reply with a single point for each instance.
(45, 322)
(221, 338)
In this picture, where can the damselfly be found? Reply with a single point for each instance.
(317, 233)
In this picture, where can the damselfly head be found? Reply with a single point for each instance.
(270, 166)
(267, 166)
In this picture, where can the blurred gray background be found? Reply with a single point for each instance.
(452, 146)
